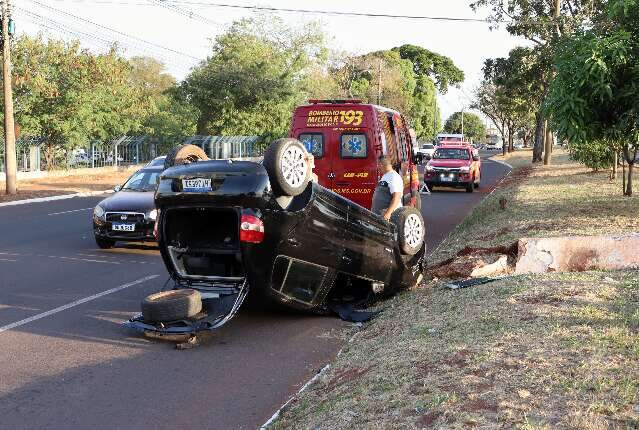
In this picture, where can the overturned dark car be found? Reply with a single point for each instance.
(225, 227)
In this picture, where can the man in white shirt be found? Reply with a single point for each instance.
(390, 188)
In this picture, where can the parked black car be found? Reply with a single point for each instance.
(225, 227)
(129, 214)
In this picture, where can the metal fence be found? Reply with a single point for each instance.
(33, 154)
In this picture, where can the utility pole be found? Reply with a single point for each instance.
(9, 130)
(379, 82)
(435, 118)
(549, 139)
(462, 112)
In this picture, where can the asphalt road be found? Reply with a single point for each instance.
(68, 363)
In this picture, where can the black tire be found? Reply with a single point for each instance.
(470, 187)
(171, 305)
(291, 181)
(409, 222)
(184, 154)
(104, 243)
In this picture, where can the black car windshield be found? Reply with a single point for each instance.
(451, 154)
(159, 161)
(144, 180)
(428, 146)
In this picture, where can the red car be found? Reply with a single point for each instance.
(454, 164)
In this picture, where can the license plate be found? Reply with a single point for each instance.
(122, 227)
(196, 185)
(446, 179)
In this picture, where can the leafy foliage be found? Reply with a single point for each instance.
(474, 127)
(594, 97)
(258, 71)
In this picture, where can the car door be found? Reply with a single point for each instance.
(355, 167)
(368, 249)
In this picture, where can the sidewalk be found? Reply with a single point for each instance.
(72, 183)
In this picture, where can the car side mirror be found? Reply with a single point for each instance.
(117, 188)
(475, 157)
(427, 157)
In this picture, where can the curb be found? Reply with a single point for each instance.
(52, 198)
(501, 162)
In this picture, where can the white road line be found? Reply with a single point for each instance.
(7, 259)
(68, 212)
(79, 259)
(75, 303)
(52, 198)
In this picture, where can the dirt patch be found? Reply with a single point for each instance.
(479, 405)
(347, 376)
(429, 418)
(70, 184)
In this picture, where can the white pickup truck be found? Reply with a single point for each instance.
(423, 150)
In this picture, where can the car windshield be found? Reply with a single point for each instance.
(159, 161)
(144, 180)
(451, 154)
(428, 146)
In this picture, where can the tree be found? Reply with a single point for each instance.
(169, 116)
(257, 72)
(69, 96)
(545, 25)
(473, 126)
(593, 99)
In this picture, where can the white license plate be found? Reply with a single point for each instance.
(197, 185)
(446, 179)
(122, 227)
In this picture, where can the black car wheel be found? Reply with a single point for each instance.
(104, 243)
(184, 154)
(470, 187)
(410, 229)
(286, 162)
(171, 305)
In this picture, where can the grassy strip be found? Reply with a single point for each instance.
(530, 352)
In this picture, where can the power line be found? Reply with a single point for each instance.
(113, 30)
(292, 10)
(184, 12)
(94, 39)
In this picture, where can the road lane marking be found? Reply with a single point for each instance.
(52, 198)
(79, 259)
(75, 303)
(68, 212)
(7, 259)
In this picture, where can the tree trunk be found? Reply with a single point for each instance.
(511, 140)
(538, 147)
(613, 171)
(629, 183)
(548, 146)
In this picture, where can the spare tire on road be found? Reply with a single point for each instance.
(411, 229)
(286, 162)
(171, 305)
(184, 154)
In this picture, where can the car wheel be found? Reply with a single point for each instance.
(184, 154)
(171, 305)
(470, 187)
(104, 243)
(286, 162)
(411, 229)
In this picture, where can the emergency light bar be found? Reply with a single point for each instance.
(334, 101)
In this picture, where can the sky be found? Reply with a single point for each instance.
(180, 32)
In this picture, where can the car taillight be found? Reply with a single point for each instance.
(251, 229)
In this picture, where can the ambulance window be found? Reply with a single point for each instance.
(354, 145)
(314, 143)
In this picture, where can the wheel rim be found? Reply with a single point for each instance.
(294, 166)
(413, 230)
